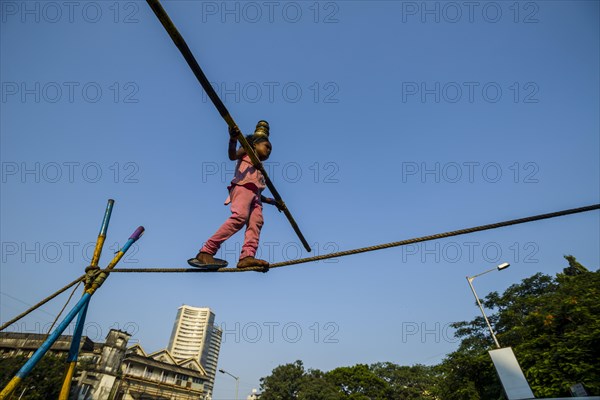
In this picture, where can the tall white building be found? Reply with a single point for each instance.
(195, 336)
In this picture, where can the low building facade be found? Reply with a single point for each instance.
(113, 371)
(159, 376)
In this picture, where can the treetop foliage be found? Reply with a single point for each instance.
(552, 324)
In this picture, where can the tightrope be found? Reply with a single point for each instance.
(324, 256)
(376, 247)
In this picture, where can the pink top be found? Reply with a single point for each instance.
(248, 176)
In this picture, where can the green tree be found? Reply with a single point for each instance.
(562, 346)
(291, 381)
(407, 383)
(316, 387)
(43, 382)
(553, 325)
(574, 267)
(284, 382)
(467, 374)
(358, 382)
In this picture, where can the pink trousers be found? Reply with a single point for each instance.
(246, 209)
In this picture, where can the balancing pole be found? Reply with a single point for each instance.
(163, 17)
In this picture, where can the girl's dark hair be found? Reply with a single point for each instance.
(255, 139)
(250, 139)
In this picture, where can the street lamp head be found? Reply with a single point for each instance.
(499, 268)
(503, 266)
(237, 381)
(470, 280)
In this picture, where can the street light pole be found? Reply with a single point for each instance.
(237, 381)
(470, 280)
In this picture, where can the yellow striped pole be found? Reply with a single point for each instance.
(73, 354)
(66, 387)
(74, 350)
(81, 305)
(41, 351)
(12, 385)
(102, 234)
(99, 280)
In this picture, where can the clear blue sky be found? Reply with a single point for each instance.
(389, 120)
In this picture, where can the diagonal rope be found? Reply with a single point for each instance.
(41, 303)
(63, 309)
(380, 246)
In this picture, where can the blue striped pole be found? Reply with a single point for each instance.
(74, 350)
(37, 356)
(102, 234)
(103, 275)
(73, 354)
(26, 369)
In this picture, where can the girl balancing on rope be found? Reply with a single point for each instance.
(246, 203)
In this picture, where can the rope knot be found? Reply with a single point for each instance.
(91, 272)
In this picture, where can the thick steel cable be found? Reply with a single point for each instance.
(41, 303)
(380, 246)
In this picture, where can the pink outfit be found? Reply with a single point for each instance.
(246, 174)
(246, 209)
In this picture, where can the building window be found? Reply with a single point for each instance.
(85, 389)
